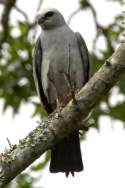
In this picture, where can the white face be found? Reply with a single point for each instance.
(50, 18)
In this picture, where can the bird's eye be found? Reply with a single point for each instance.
(49, 14)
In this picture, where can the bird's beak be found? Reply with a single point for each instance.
(40, 20)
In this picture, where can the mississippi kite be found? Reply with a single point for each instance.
(60, 54)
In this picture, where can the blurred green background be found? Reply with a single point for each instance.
(16, 79)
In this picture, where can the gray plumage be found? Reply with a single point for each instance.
(60, 52)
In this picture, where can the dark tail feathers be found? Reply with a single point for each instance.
(66, 156)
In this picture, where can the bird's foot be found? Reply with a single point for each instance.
(58, 109)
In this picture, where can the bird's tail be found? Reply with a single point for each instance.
(66, 156)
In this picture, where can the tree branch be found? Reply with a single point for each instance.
(85, 4)
(8, 5)
(54, 128)
(23, 14)
(73, 14)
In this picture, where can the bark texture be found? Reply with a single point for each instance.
(56, 127)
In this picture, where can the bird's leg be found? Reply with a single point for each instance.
(59, 107)
(68, 79)
(58, 104)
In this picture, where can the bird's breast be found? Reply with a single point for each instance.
(61, 56)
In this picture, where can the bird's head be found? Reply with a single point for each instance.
(50, 18)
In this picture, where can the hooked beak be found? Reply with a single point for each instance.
(40, 20)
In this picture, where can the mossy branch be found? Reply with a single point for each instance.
(55, 127)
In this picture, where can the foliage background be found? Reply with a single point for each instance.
(16, 80)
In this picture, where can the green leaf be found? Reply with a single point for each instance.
(42, 165)
(118, 112)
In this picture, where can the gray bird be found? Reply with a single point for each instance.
(60, 67)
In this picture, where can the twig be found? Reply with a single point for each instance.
(3, 2)
(12, 162)
(9, 142)
(35, 29)
(123, 26)
(39, 5)
(23, 14)
(73, 14)
(9, 4)
(100, 30)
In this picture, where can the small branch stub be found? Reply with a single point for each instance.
(20, 156)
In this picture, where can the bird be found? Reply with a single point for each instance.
(60, 68)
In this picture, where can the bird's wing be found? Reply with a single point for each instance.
(37, 73)
(84, 56)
